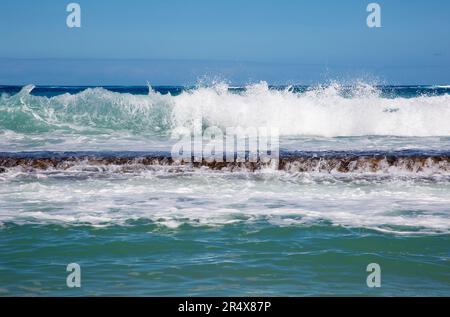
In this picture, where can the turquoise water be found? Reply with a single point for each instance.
(239, 259)
(162, 231)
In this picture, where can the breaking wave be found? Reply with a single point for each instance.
(329, 111)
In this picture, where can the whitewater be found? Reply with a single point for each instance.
(379, 146)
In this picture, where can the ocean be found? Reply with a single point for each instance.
(363, 177)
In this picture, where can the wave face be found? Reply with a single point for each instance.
(331, 111)
(94, 110)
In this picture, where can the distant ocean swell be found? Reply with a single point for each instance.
(329, 111)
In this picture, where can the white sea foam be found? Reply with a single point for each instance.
(321, 111)
(214, 198)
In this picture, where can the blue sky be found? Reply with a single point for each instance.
(183, 42)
